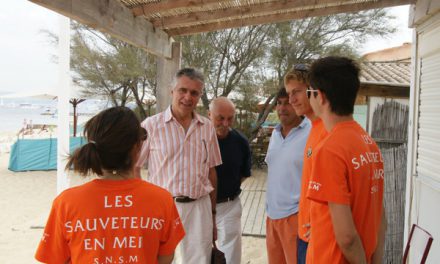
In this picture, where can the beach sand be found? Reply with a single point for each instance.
(25, 201)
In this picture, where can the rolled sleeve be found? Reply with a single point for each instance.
(53, 247)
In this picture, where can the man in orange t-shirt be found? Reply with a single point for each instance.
(346, 184)
(124, 221)
(296, 83)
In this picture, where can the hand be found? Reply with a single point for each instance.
(307, 234)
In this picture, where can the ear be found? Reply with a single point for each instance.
(209, 114)
(321, 98)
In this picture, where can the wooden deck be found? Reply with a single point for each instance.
(253, 199)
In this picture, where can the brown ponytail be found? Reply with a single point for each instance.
(112, 134)
(85, 160)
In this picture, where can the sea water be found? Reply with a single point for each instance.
(16, 113)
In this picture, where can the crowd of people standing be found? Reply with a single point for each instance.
(324, 185)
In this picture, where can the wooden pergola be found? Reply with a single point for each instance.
(151, 24)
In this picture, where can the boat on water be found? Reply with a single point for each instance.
(49, 111)
(28, 106)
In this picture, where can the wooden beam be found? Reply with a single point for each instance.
(238, 11)
(166, 69)
(274, 18)
(113, 17)
(423, 10)
(157, 7)
(382, 90)
(361, 100)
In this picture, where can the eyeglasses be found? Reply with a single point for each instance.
(310, 91)
(206, 151)
(301, 67)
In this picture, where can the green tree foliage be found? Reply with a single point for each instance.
(253, 60)
(227, 57)
(301, 41)
(113, 69)
(249, 61)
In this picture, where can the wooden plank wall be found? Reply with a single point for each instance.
(394, 200)
(390, 123)
(390, 130)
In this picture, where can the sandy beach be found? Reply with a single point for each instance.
(25, 201)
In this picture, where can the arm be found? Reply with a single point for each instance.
(213, 195)
(165, 259)
(213, 179)
(246, 167)
(345, 233)
(378, 253)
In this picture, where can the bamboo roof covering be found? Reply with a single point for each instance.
(151, 24)
(183, 17)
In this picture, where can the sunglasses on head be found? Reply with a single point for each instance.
(310, 91)
(301, 67)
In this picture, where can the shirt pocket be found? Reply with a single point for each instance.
(200, 147)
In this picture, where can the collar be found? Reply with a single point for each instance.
(303, 123)
(168, 116)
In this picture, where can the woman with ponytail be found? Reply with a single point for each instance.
(115, 218)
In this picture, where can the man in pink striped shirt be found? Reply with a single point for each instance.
(182, 152)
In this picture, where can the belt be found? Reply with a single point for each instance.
(183, 199)
(228, 199)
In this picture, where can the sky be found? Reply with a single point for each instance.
(25, 52)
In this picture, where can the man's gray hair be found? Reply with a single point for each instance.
(222, 99)
(191, 73)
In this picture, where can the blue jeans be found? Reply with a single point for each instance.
(301, 250)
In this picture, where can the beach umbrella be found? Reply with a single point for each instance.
(75, 102)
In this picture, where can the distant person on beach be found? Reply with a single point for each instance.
(43, 129)
(236, 167)
(284, 167)
(23, 128)
(297, 83)
(30, 127)
(182, 152)
(346, 184)
(116, 218)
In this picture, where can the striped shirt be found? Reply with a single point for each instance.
(179, 161)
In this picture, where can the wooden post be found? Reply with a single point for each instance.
(63, 130)
(166, 68)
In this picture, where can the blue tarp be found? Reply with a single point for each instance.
(37, 154)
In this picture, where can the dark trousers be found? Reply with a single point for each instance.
(301, 250)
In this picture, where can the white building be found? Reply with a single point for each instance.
(423, 181)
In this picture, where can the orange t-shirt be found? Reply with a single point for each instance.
(317, 133)
(111, 221)
(347, 168)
